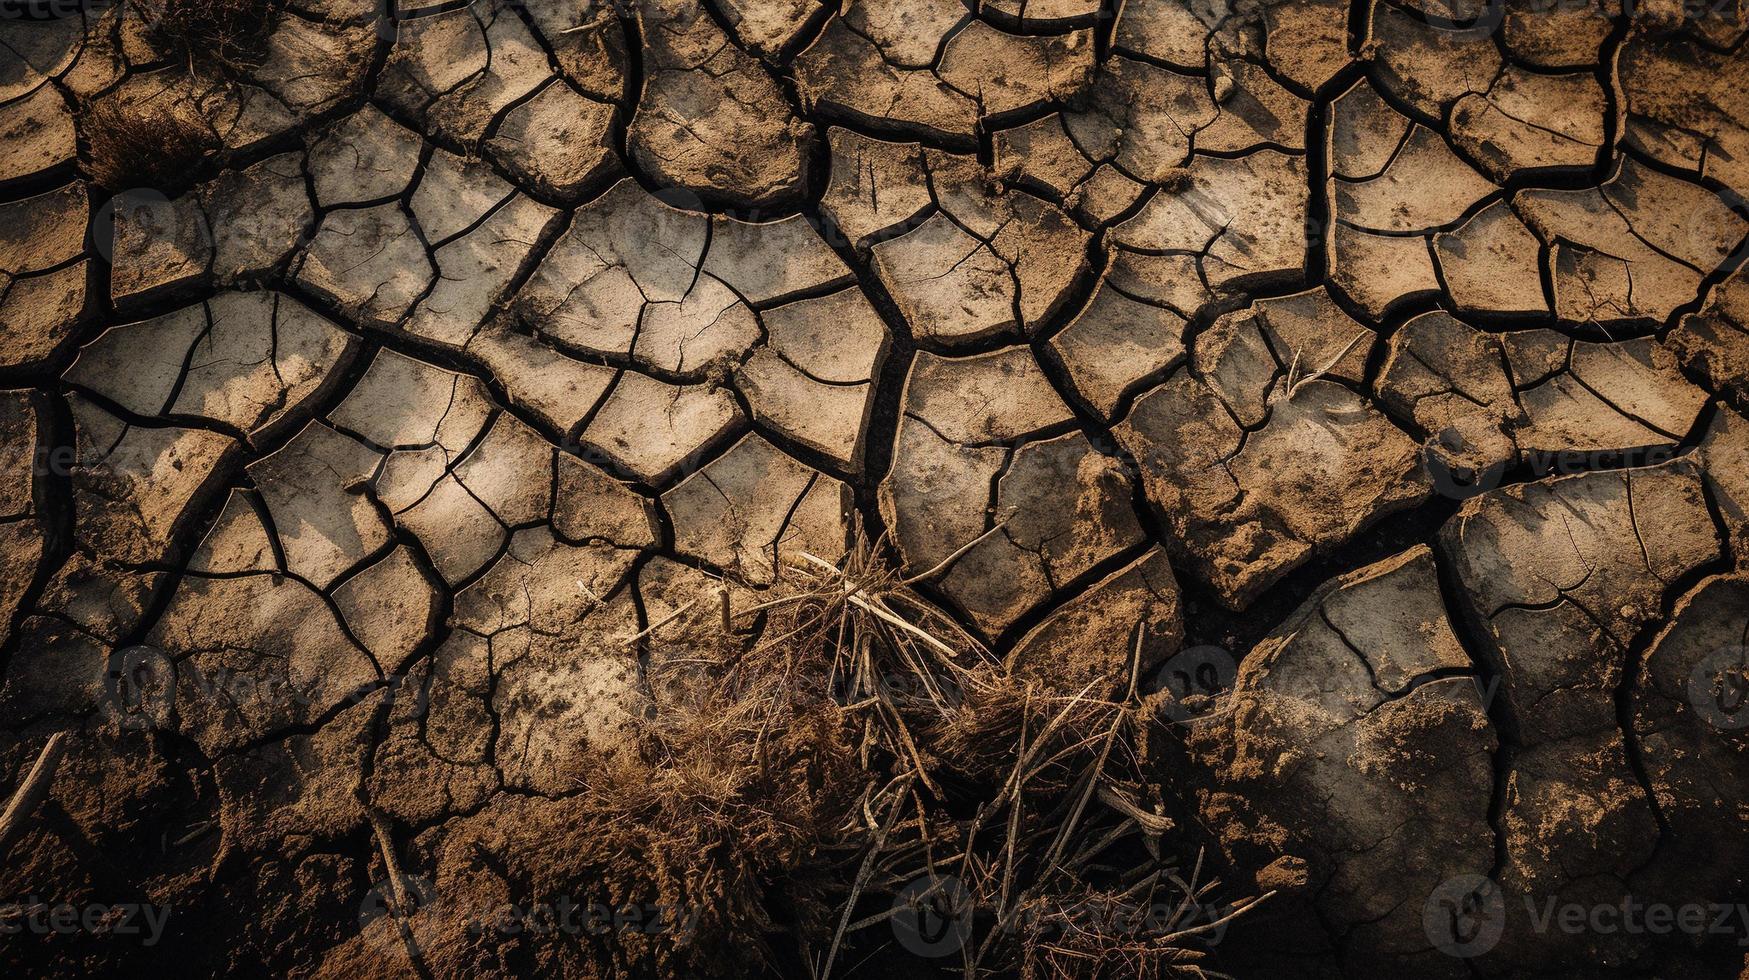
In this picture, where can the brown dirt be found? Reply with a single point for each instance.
(880, 488)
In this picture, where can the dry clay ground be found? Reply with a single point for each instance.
(1394, 351)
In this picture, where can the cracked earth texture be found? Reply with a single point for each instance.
(1403, 344)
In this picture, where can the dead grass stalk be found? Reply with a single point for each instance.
(847, 755)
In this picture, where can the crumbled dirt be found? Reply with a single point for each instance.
(888, 487)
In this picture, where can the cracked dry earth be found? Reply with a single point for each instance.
(1399, 348)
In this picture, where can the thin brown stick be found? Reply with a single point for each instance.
(862, 876)
(943, 564)
(653, 627)
(32, 790)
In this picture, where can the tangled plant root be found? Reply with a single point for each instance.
(847, 758)
(145, 146)
(224, 37)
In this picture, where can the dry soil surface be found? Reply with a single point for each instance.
(1401, 344)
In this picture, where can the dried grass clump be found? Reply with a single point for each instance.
(144, 146)
(1064, 868)
(732, 809)
(226, 37)
(845, 752)
(1121, 934)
